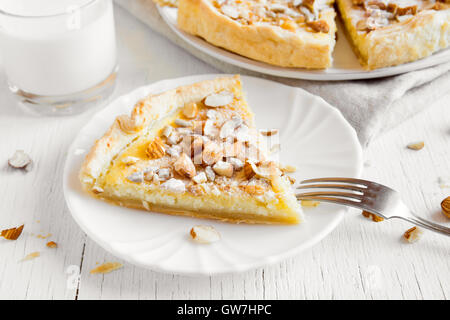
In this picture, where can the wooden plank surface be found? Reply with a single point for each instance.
(360, 259)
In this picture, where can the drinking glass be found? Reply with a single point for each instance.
(59, 56)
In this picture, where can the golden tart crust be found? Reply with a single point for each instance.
(283, 34)
(389, 33)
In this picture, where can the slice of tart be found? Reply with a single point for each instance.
(391, 32)
(288, 33)
(192, 151)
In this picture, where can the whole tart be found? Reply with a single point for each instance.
(192, 151)
(284, 33)
(391, 32)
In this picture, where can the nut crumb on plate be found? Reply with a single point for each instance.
(204, 234)
(309, 203)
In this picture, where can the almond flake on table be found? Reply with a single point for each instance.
(416, 145)
(31, 256)
(52, 244)
(106, 268)
(20, 160)
(12, 233)
(413, 235)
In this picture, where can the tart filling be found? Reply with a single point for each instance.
(204, 159)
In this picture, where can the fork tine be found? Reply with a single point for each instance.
(335, 200)
(348, 195)
(333, 186)
(344, 180)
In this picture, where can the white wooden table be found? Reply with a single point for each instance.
(360, 259)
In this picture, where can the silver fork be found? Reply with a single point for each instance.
(366, 195)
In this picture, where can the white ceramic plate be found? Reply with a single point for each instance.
(314, 136)
(345, 65)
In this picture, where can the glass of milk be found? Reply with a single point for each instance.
(59, 55)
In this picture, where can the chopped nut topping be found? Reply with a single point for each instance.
(183, 123)
(309, 203)
(254, 189)
(136, 177)
(12, 234)
(439, 6)
(200, 178)
(97, 190)
(288, 168)
(407, 10)
(318, 26)
(190, 110)
(445, 205)
(163, 174)
(126, 124)
(20, 160)
(174, 185)
(269, 133)
(204, 234)
(236, 163)
(372, 216)
(219, 99)
(184, 166)
(130, 160)
(289, 25)
(167, 131)
(52, 244)
(210, 174)
(412, 235)
(212, 153)
(106, 268)
(223, 169)
(248, 170)
(375, 3)
(155, 149)
(416, 145)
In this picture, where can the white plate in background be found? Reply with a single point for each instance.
(314, 136)
(345, 65)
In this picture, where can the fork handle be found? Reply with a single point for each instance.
(427, 224)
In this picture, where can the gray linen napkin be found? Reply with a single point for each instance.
(371, 106)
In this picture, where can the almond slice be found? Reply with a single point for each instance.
(52, 244)
(190, 110)
(223, 169)
(219, 99)
(13, 233)
(155, 149)
(416, 145)
(184, 166)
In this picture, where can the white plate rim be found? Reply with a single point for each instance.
(242, 268)
(437, 58)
